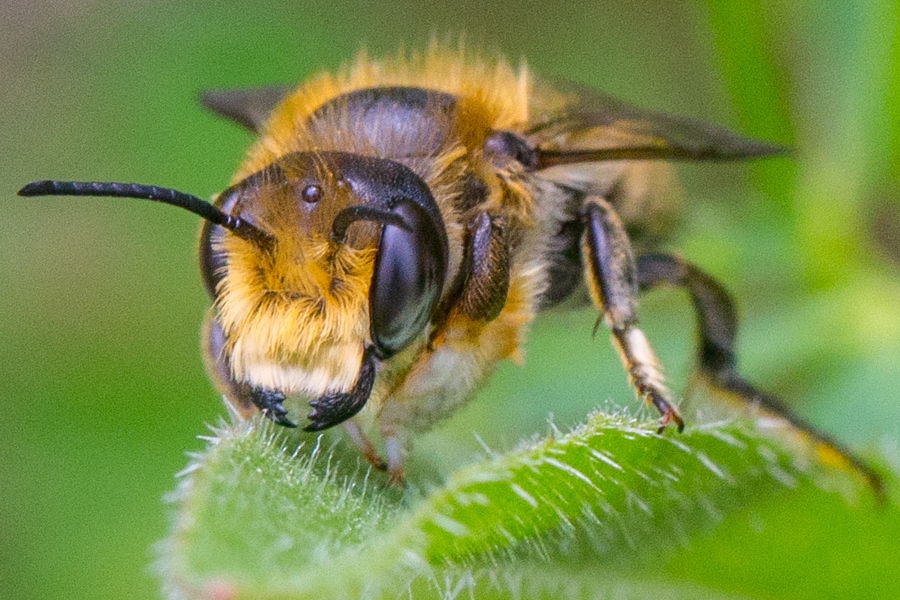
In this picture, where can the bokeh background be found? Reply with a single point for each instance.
(102, 388)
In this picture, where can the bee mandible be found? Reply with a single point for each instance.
(396, 227)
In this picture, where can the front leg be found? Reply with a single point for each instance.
(479, 291)
(612, 281)
(478, 324)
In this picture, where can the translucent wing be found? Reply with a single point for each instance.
(249, 107)
(575, 124)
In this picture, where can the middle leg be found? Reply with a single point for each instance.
(611, 275)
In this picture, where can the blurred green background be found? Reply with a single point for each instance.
(103, 389)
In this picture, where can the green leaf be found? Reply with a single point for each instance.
(265, 513)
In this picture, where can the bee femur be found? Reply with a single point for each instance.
(201, 208)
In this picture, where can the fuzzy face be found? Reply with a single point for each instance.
(296, 318)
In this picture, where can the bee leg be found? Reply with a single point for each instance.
(481, 285)
(365, 445)
(487, 277)
(242, 396)
(394, 448)
(612, 282)
(717, 363)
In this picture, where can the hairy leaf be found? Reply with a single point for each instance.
(261, 514)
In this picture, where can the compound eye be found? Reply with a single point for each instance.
(311, 194)
(410, 268)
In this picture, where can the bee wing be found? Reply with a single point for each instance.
(575, 124)
(249, 107)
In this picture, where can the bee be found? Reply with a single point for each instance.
(395, 228)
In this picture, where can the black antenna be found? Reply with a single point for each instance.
(199, 207)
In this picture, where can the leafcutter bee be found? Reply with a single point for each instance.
(397, 226)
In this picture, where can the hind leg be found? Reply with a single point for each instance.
(717, 363)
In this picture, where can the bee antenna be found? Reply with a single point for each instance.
(361, 212)
(199, 207)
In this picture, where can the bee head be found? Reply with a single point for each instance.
(309, 261)
(354, 253)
